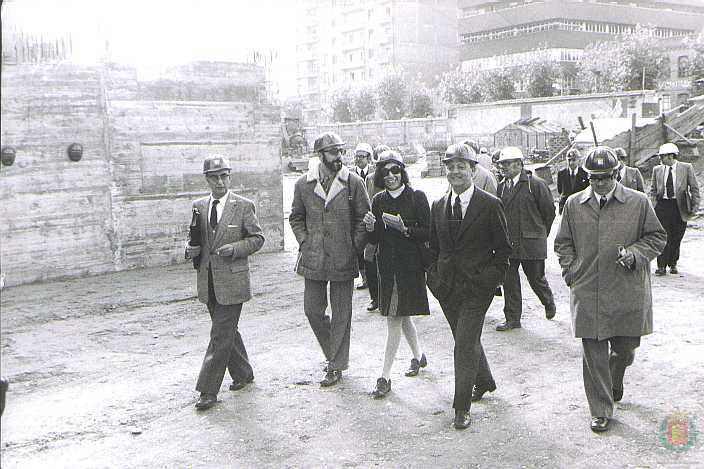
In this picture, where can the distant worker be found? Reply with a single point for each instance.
(483, 178)
(362, 156)
(329, 203)
(675, 193)
(530, 211)
(607, 238)
(484, 159)
(628, 176)
(571, 179)
(229, 233)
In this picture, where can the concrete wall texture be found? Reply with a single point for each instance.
(126, 203)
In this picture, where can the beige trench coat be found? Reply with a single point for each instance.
(606, 299)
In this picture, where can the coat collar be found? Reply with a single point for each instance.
(338, 184)
(588, 194)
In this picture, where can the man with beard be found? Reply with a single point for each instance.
(329, 203)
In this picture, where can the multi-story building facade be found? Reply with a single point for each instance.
(500, 33)
(350, 42)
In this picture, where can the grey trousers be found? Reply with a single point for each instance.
(333, 334)
(471, 366)
(603, 371)
(535, 273)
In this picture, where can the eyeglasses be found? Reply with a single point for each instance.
(600, 177)
(335, 151)
(393, 170)
(361, 155)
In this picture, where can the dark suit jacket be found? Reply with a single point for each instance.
(239, 227)
(686, 188)
(474, 264)
(564, 183)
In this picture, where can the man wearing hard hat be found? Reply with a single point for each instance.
(362, 156)
(675, 194)
(229, 233)
(607, 238)
(329, 203)
(530, 211)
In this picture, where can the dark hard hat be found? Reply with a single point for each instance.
(472, 144)
(216, 164)
(327, 140)
(460, 151)
(573, 154)
(620, 153)
(601, 160)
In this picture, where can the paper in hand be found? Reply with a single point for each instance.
(393, 221)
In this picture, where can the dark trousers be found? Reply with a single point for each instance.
(471, 366)
(669, 215)
(535, 272)
(603, 371)
(333, 333)
(372, 279)
(226, 349)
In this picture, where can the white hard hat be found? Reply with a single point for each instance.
(668, 149)
(364, 147)
(484, 150)
(510, 153)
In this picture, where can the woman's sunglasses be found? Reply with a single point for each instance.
(392, 170)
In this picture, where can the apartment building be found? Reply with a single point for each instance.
(351, 42)
(499, 33)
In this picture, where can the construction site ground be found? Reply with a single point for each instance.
(102, 373)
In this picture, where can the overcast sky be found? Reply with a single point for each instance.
(151, 33)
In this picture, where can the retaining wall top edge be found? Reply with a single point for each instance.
(580, 97)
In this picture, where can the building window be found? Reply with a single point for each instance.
(370, 54)
(352, 76)
(682, 66)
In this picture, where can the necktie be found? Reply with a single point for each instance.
(573, 179)
(602, 202)
(669, 186)
(456, 217)
(214, 214)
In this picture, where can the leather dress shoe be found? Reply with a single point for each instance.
(462, 419)
(660, 272)
(373, 306)
(206, 401)
(480, 390)
(416, 365)
(383, 387)
(240, 383)
(550, 311)
(600, 424)
(673, 270)
(618, 394)
(507, 326)
(332, 377)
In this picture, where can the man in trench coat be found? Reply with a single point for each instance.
(229, 232)
(607, 237)
(469, 243)
(329, 203)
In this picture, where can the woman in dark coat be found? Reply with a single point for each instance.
(402, 292)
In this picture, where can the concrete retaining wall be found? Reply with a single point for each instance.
(126, 204)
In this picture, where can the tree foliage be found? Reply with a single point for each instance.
(420, 102)
(696, 64)
(363, 103)
(459, 87)
(631, 62)
(392, 93)
(541, 76)
(341, 103)
(497, 85)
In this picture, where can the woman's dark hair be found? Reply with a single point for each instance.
(379, 179)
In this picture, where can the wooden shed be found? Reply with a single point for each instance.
(530, 135)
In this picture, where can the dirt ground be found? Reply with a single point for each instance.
(102, 373)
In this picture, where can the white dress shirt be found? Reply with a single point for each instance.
(465, 198)
(674, 180)
(219, 207)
